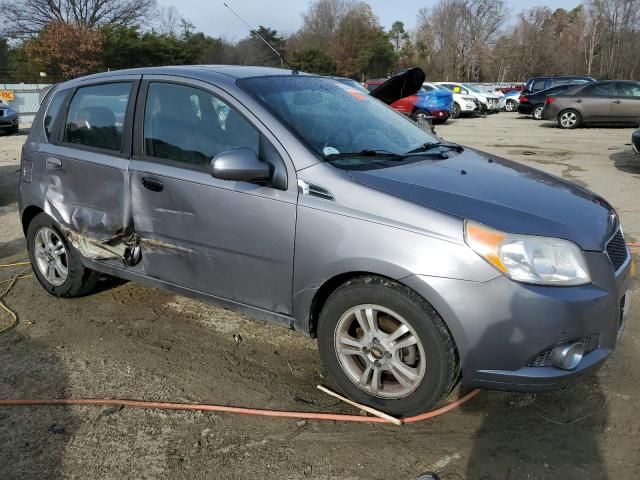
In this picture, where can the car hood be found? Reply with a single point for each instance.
(501, 194)
(401, 85)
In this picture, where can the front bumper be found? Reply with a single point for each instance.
(10, 121)
(500, 326)
(440, 115)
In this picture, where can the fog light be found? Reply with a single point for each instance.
(568, 355)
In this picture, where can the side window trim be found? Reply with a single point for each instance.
(138, 148)
(125, 151)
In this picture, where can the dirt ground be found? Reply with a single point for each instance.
(129, 341)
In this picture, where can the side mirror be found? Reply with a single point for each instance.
(241, 164)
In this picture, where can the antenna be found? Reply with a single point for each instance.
(255, 32)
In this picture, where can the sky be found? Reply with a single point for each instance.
(212, 18)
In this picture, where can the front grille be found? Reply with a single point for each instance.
(617, 250)
(543, 359)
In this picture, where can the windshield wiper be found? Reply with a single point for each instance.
(434, 145)
(366, 153)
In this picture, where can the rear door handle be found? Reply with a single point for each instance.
(579, 100)
(54, 163)
(152, 184)
(618, 102)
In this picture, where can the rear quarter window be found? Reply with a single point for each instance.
(539, 84)
(53, 111)
(96, 116)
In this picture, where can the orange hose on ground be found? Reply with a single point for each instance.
(237, 410)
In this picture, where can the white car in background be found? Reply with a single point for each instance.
(462, 104)
(489, 101)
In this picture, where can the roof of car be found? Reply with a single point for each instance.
(194, 71)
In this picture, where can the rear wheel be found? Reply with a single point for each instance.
(537, 112)
(511, 106)
(385, 346)
(56, 264)
(14, 129)
(569, 119)
(455, 111)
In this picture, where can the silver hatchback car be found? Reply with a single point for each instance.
(303, 201)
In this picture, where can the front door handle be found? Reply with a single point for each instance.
(617, 102)
(152, 184)
(53, 163)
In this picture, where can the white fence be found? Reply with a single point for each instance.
(27, 97)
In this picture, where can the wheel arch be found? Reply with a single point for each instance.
(323, 293)
(28, 215)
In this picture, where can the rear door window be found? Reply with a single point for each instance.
(627, 90)
(190, 126)
(97, 115)
(53, 110)
(597, 90)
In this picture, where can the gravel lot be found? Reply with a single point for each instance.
(129, 341)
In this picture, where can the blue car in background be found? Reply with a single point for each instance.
(436, 103)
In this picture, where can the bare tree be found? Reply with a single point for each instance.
(24, 18)
(170, 21)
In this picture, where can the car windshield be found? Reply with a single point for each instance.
(336, 119)
(473, 89)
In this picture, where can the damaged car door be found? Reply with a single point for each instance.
(226, 238)
(86, 156)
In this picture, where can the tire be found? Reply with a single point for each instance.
(78, 281)
(428, 368)
(569, 119)
(14, 130)
(537, 112)
(455, 111)
(511, 106)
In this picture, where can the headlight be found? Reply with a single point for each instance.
(529, 259)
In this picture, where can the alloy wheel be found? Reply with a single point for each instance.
(379, 351)
(510, 106)
(537, 113)
(51, 256)
(568, 119)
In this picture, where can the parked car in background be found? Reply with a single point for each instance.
(416, 263)
(434, 105)
(534, 103)
(511, 100)
(488, 102)
(635, 141)
(610, 102)
(8, 119)
(462, 104)
(536, 84)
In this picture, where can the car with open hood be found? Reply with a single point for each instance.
(415, 262)
(405, 94)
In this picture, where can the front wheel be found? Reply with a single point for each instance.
(385, 346)
(455, 111)
(569, 119)
(56, 264)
